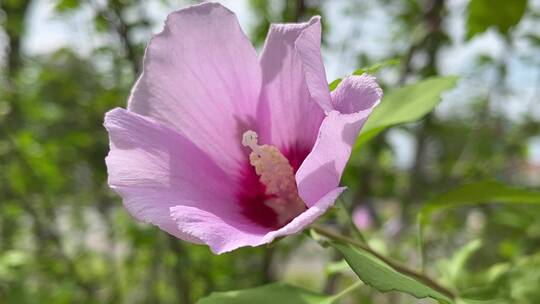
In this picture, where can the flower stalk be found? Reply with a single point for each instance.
(345, 291)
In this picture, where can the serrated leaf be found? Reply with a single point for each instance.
(406, 104)
(381, 276)
(500, 14)
(268, 294)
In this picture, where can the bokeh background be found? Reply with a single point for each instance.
(65, 238)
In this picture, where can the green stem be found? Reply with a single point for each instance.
(421, 246)
(356, 231)
(398, 267)
(345, 291)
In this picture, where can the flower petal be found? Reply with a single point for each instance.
(153, 168)
(308, 46)
(356, 93)
(321, 170)
(307, 217)
(218, 232)
(288, 114)
(224, 234)
(201, 77)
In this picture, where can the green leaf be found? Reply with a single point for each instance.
(481, 192)
(334, 84)
(369, 70)
(512, 282)
(501, 14)
(533, 39)
(376, 67)
(376, 273)
(268, 294)
(67, 5)
(470, 301)
(336, 267)
(406, 104)
(454, 268)
(476, 193)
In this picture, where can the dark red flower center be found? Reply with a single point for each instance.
(253, 198)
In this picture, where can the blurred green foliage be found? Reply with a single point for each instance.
(422, 98)
(65, 238)
(268, 294)
(499, 14)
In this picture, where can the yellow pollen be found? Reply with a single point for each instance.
(277, 175)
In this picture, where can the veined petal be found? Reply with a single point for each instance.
(154, 168)
(288, 114)
(225, 234)
(221, 234)
(356, 93)
(321, 171)
(201, 77)
(308, 46)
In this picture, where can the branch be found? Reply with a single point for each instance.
(398, 267)
(111, 12)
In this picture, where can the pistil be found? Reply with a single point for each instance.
(277, 175)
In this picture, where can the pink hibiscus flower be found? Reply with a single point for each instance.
(221, 147)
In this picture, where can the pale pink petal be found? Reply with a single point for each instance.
(219, 233)
(321, 170)
(202, 78)
(288, 115)
(153, 168)
(356, 93)
(308, 46)
(225, 234)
